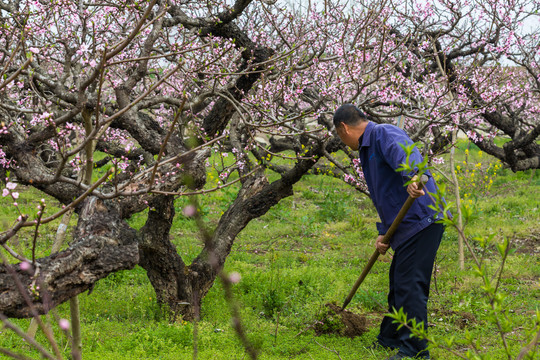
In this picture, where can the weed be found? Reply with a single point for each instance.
(328, 322)
(333, 206)
(272, 303)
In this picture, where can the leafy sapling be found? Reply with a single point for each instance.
(411, 167)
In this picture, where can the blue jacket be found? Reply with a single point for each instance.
(380, 155)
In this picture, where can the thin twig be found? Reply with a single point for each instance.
(236, 319)
(35, 314)
(36, 232)
(206, 191)
(144, 95)
(73, 203)
(118, 48)
(12, 56)
(6, 235)
(156, 56)
(8, 324)
(179, 156)
(13, 355)
(15, 255)
(165, 142)
(14, 76)
(331, 350)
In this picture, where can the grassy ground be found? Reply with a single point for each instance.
(305, 252)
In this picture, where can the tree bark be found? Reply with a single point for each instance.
(158, 256)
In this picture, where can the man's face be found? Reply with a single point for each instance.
(347, 136)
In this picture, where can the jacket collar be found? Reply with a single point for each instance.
(364, 140)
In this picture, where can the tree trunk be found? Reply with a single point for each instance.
(182, 287)
(158, 256)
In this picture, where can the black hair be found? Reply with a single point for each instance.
(349, 114)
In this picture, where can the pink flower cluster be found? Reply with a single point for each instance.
(6, 191)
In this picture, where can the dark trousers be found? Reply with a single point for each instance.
(410, 275)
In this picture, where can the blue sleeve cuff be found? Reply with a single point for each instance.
(380, 228)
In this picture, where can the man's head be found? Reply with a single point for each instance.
(350, 123)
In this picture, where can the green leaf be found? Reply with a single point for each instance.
(502, 248)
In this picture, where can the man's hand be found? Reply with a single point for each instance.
(381, 247)
(413, 190)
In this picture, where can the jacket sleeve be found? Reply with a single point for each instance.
(380, 228)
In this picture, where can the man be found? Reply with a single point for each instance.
(416, 240)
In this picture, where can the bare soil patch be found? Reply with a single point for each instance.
(529, 245)
(344, 323)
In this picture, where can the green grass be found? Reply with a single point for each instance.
(307, 251)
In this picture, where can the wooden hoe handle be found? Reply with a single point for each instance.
(406, 206)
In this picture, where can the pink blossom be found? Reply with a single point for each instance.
(64, 324)
(5, 192)
(15, 195)
(25, 266)
(189, 211)
(82, 49)
(235, 277)
(11, 185)
(438, 160)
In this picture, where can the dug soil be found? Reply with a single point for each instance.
(344, 323)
